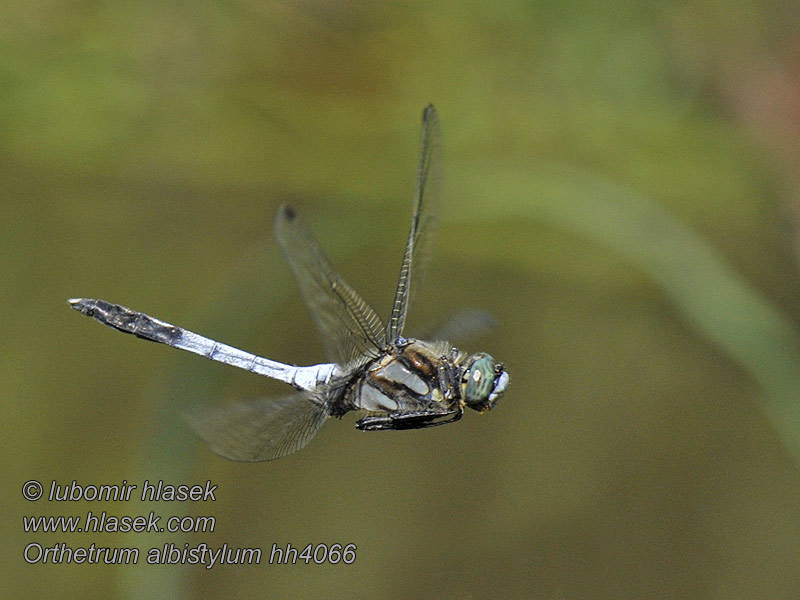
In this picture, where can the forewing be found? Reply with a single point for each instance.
(350, 328)
(262, 429)
(422, 220)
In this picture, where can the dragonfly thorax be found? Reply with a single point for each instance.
(410, 375)
(414, 375)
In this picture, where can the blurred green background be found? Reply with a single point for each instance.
(620, 192)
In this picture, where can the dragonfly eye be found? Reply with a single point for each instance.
(478, 383)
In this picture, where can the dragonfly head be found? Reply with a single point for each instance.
(483, 382)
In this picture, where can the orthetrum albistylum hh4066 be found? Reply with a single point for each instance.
(402, 383)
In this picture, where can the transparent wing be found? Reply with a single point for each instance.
(350, 328)
(262, 429)
(463, 325)
(422, 220)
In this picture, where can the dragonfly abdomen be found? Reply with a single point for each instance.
(128, 321)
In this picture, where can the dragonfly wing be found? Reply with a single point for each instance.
(462, 326)
(349, 326)
(423, 217)
(262, 429)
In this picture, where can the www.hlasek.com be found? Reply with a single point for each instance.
(164, 554)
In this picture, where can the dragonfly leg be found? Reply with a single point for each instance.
(411, 420)
(448, 377)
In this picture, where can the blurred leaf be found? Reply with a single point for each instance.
(712, 297)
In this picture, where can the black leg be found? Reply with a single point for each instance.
(413, 420)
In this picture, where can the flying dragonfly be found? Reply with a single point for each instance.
(401, 383)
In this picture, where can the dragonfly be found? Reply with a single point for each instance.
(400, 383)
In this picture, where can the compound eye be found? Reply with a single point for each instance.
(478, 382)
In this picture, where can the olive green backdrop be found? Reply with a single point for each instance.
(620, 192)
